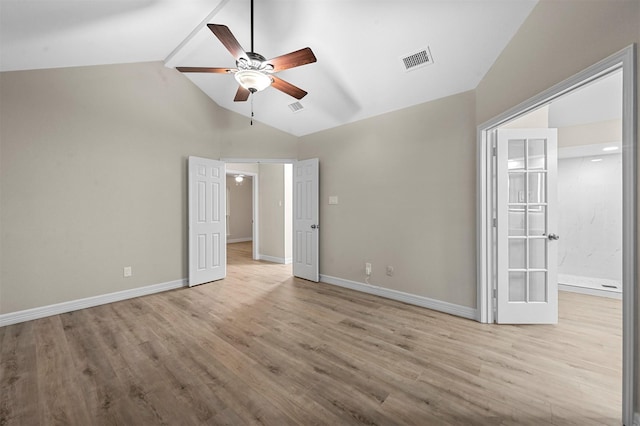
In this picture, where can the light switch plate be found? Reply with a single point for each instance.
(333, 199)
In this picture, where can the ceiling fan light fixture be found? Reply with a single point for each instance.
(253, 80)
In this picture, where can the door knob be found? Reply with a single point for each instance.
(553, 237)
(315, 226)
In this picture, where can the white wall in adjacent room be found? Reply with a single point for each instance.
(590, 216)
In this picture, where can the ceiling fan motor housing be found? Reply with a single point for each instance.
(256, 62)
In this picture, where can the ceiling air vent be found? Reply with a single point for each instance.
(296, 107)
(417, 60)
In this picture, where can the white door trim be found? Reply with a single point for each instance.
(625, 60)
(255, 229)
(259, 160)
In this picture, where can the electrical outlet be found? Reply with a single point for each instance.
(390, 270)
(127, 272)
(367, 268)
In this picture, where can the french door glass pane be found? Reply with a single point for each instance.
(516, 155)
(537, 192)
(516, 188)
(537, 220)
(537, 253)
(538, 286)
(517, 286)
(516, 221)
(536, 150)
(517, 253)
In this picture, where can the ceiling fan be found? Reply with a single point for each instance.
(253, 72)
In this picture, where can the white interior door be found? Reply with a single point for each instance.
(527, 261)
(306, 224)
(207, 221)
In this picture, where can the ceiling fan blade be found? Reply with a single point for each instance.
(293, 59)
(228, 40)
(242, 94)
(204, 69)
(288, 88)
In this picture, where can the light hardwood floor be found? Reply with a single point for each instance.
(261, 347)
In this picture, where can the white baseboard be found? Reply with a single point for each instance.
(238, 240)
(614, 286)
(590, 291)
(412, 299)
(282, 260)
(88, 302)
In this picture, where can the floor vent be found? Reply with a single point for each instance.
(296, 107)
(417, 60)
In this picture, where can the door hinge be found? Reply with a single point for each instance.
(495, 222)
(495, 293)
(494, 151)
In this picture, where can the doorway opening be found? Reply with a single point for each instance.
(208, 213)
(260, 209)
(488, 257)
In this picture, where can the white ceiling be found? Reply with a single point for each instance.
(358, 44)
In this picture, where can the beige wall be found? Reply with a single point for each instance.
(591, 133)
(538, 119)
(405, 183)
(240, 204)
(94, 178)
(558, 40)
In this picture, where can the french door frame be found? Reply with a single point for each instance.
(624, 60)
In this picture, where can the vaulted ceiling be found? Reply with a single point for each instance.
(359, 46)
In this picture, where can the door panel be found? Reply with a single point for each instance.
(306, 219)
(207, 227)
(527, 287)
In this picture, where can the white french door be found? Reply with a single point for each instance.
(526, 207)
(207, 221)
(306, 225)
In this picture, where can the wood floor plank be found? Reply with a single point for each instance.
(263, 348)
(18, 380)
(59, 395)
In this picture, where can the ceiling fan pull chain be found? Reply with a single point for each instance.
(252, 110)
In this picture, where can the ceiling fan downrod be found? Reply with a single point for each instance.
(252, 26)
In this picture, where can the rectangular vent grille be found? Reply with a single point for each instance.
(296, 107)
(417, 60)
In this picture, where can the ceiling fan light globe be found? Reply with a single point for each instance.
(253, 80)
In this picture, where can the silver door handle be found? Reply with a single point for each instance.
(315, 226)
(553, 237)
